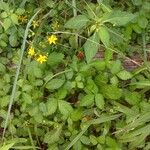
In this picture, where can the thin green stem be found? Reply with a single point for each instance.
(114, 50)
(57, 74)
(75, 14)
(144, 46)
(37, 139)
(31, 139)
(68, 3)
(17, 74)
(74, 7)
(90, 9)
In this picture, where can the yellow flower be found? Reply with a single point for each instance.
(41, 58)
(35, 24)
(31, 51)
(52, 39)
(23, 18)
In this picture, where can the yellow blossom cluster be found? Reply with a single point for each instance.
(38, 57)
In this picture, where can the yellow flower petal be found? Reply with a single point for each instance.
(41, 58)
(22, 18)
(31, 51)
(35, 24)
(52, 39)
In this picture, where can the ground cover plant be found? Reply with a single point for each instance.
(75, 74)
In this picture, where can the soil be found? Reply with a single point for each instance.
(129, 63)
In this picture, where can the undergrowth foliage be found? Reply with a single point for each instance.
(55, 93)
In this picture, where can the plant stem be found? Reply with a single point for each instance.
(17, 74)
(144, 46)
(31, 139)
(57, 74)
(114, 50)
(75, 14)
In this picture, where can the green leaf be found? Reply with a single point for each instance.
(128, 32)
(64, 108)
(7, 23)
(131, 136)
(142, 22)
(87, 100)
(137, 28)
(7, 147)
(26, 88)
(37, 72)
(72, 42)
(111, 91)
(124, 75)
(3, 44)
(103, 118)
(42, 108)
(91, 87)
(132, 98)
(38, 118)
(141, 84)
(99, 65)
(116, 67)
(14, 18)
(105, 8)
(34, 110)
(55, 58)
(53, 136)
(99, 101)
(101, 79)
(78, 146)
(34, 70)
(55, 84)
(4, 6)
(61, 94)
(77, 22)
(26, 98)
(108, 55)
(12, 129)
(76, 114)
(114, 80)
(111, 142)
(91, 47)
(85, 140)
(101, 139)
(13, 39)
(4, 14)
(2, 68)
(38, 82)
(25, 147)
(51, 105)
(80, 85)
(137, 2)
(118, 18)
(20, 11)
(4, 101)
(146, 5)
(93, 140)
(104, 36)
